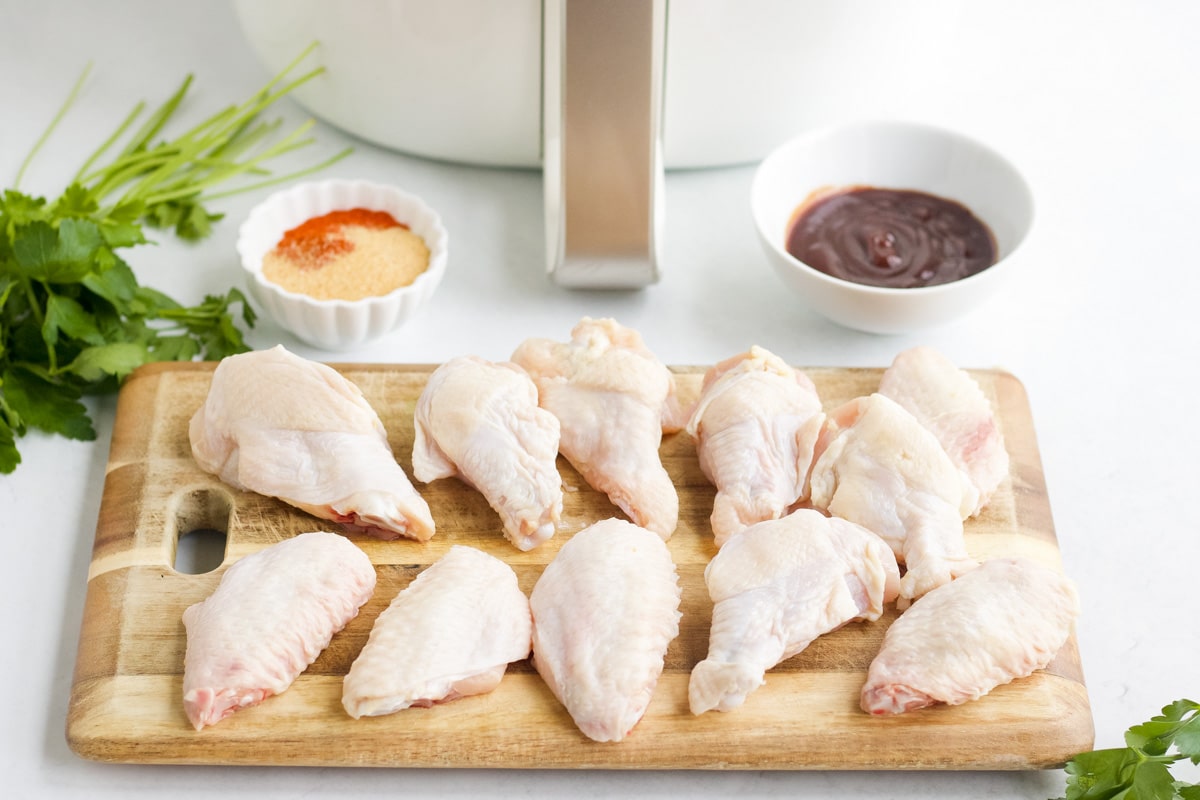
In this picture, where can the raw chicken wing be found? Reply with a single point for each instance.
(604, 611)
(948, 401)
(481, 421)
(450, 633)
(877, 466)
(282, 426)
(1002, 621)
(778, 585)
(614, 400)
(272, 614)
(755, 427)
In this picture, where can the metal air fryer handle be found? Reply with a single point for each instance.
(602, 164)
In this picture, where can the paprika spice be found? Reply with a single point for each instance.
(347, 254)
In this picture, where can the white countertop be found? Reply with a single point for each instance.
(1094, 101)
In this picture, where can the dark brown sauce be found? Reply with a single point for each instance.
(896, 238)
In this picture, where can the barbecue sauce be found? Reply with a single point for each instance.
(894, 238)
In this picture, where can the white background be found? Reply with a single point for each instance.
(1094, 101)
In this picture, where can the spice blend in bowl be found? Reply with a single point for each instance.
(347, 255)
(340, 262)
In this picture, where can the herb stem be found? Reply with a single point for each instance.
(62, 112)
(279, 179)
(35, 307)
(120, 131)
(151, 127)
(222, 171)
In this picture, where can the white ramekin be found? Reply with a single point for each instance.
(339, 324)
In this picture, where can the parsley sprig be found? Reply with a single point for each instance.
(73, 318)
(1141, 770)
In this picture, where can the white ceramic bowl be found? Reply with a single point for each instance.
(891, 155)
(339, 324)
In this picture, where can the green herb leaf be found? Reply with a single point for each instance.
(75, 201)
(116, 284)
(68, 316)
(10, 457)
(1152, 781)
(18, 209)
(1141, 771)
(120, 226)
(65, 254)
(1187, 737)
(1100, 774)
(48, 405)
(108, 360)
(1178, 724)
(175, 348)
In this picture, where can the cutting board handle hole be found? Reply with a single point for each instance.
(200, 523)
(200, 551)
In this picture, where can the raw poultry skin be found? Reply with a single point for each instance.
(450, 633)
(614, 400)
(604, 612)
(1002, 621)
(285, 427)
(755, 427)
(481, 421)
(778, 585)
(949, 402)
(271, 615)
(876, 465)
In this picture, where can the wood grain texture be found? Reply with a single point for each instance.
(126, 699)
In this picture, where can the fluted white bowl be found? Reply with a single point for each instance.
(339, 324)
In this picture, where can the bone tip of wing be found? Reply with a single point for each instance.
(721, 536)
(889, 699)
(662, 526)
(612, 726)
(198, 706)
(352, 707)
(529, 535)
(206, 706)
(599, 732)
(359, 706)
(415, 519)
(659, 521)
(419, 527)
(721, 686)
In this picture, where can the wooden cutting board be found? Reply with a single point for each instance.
(126, 699)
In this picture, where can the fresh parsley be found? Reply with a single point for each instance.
(1141, 770)
(73, 318)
